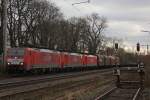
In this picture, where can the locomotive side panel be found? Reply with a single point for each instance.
(44, 59)
(74, 60)
(28, 59)
(91, 60)
(84, 60)
(57, 59)
(64, 59)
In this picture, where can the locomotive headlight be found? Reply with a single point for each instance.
(8, 63)
(21, 63)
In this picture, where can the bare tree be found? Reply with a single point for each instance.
(40, 23)
(76, 30)
(94, 32)
(16, 27)
(31, 22)
(70, 34)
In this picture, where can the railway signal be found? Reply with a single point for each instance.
(117, 70)
(138, 47)
(116, 46)
(116, 49)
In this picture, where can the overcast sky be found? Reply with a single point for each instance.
(126, 18)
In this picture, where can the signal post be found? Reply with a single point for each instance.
(139, 69)
(116, 70)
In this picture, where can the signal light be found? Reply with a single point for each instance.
(138, 47)
(116, 46)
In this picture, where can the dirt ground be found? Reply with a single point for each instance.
(147, 76)
(146, 92)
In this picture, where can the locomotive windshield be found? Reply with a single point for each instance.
(15, 52)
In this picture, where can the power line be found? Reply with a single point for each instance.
(81, 2)
(73, 6)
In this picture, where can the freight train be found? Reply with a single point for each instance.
(28, 59)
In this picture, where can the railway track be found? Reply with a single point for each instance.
(120, 94)
(11, 84)
(125, 90)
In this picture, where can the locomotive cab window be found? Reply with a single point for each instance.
(16, 52)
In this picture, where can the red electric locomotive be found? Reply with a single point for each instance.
(31, 58)
(16, 58)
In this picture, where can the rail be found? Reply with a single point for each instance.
(137, 94)
(9, 83)
(106, 93)
(120, 94)
(35, 83)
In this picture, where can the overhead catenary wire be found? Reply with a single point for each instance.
(66, 1)
(81, 2)
(78, 3)
(73, 6)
